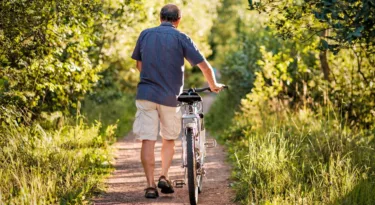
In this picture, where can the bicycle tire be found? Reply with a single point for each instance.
(200, 188)
(200, 177)
(191, 167)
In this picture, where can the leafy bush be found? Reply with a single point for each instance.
(288, 69)
(46, 48)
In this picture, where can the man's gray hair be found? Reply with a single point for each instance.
(170, 12)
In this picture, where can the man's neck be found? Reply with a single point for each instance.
(173, 24)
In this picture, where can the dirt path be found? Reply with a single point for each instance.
(126, 184)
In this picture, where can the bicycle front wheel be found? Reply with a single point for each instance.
(191, 167)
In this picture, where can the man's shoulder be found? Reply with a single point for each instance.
(184, 36)
(165, 30)
(146, 31)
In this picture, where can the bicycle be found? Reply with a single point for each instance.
(193, 142)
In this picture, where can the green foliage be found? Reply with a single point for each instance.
(346, 29)
(349, 22)
(290, 70)
(45, 59)
(51, 167)
(236, 62)
(119, 110)
(292, 75)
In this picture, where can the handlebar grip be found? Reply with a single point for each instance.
(203, 89)
(225, 87)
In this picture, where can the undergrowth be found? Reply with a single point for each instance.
(301, 157)
(53, 167)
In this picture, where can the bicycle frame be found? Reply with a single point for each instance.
(192, 118)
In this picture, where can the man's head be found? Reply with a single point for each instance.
(170, 13)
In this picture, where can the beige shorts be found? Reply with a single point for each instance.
(146, 124)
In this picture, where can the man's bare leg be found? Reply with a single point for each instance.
(167, 152)
(148, 161)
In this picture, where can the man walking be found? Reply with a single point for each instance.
(160, 54)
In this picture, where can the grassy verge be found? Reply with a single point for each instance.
(300, 157)
(52, 167)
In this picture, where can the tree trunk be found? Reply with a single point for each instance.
(324, 60)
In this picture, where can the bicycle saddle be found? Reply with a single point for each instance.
(190, 97)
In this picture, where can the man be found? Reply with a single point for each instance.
(160, 54)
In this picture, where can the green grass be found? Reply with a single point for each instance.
(300, 157)
(65, 166)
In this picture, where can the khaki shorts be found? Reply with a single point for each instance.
(146, 124)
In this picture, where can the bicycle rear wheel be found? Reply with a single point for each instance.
(191, 167)
(200, 183)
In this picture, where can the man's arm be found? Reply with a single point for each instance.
(139, 65)
(192, 54)
(210, 76)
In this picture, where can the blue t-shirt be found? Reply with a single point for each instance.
(162, 51)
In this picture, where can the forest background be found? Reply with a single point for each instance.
(298, 119)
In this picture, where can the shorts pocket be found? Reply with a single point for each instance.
(137, 125)
(177, 126)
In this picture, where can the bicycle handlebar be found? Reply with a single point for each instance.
(198, 90)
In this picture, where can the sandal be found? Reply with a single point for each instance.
(165, 185)
(151, 193)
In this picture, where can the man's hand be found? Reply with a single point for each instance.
(217, 87)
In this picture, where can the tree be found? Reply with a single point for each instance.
(348, 22)
(338, 24)
(46, 59)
